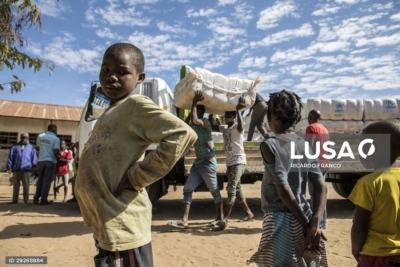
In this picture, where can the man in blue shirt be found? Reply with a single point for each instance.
(49, 149)
(21, 161)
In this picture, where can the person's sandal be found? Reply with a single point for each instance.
(247, 218)
(178, 224)
(220, 225)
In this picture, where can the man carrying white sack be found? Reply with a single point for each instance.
(258, 112)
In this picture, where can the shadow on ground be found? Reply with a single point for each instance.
(54, 230)
(25, 209)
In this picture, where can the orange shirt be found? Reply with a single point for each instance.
(319, 133)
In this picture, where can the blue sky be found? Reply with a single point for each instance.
(326, 49)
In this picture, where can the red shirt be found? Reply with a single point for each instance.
(318, 132)
(62, 167)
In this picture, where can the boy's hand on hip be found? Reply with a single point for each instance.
(124, 184)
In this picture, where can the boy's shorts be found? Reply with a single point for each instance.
(372, 261)
(137, 257)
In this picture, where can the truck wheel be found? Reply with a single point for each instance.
(156, 190)
(343, 189)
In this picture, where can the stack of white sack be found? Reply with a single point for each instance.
(339, 115)
(380, 109)
(220, 93)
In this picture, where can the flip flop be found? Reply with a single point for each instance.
(219, 226)
(247, 218)
(178, 224)
(212, 224)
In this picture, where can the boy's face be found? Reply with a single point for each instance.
(118, 76)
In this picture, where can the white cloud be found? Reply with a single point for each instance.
(138, 2)
(326, 33)
(395, 17)
(328, 47)
(226, 2)
(62, 53)
(326, 10)
(289, 55)
(349, 2)
(51, 8)
(116, 15)
(201, 13)
(224, 31)
(164, 27)
(286, 35)
(216, 62)
(269, 17)
(107, 33)
(380, 41)
(243, 12)
(252, 62)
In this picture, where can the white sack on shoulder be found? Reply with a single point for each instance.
(221, 93)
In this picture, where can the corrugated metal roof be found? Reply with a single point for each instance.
(39, 111)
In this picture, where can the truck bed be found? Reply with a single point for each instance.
(254, 165)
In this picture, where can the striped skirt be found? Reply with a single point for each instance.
(282, 243)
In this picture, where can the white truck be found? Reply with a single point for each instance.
(347, 118)
(338, 115)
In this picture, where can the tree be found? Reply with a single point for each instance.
(15, 15)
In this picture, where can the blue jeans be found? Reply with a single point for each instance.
(47, 173)
(311, 191)
(206, 172)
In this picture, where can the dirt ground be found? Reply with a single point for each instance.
(57, 231)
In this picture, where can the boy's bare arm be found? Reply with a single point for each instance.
(359, 230)
(197, 97)
(241, 104)
(320, 192)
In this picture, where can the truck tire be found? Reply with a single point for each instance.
(157, 190)
(344, 188)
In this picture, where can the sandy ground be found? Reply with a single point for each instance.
(57, 231)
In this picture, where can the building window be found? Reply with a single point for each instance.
(32, 138)
(7, 139)
(66, 138)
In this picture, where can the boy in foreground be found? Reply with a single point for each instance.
(113, 171)
(375, 234)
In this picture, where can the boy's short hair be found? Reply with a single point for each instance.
(391, 127)
(135, 53)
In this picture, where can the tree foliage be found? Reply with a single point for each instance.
(16, 15)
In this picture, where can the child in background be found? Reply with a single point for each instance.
(204, 167)
(375, 234)
(62, 170)
(233, 134)
(113, 171)
(291, 235)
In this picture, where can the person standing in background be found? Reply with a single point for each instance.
(62, 170)
(49, 148)
(21, 161)
(258, 112)
(316, 132)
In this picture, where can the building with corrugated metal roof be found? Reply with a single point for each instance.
(33, 118)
